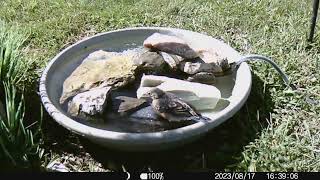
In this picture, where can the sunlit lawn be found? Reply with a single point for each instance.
(276, 130)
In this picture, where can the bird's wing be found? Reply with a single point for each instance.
(180, 107)
(161, 109)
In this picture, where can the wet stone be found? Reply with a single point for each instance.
(150, 61)
(116, 72)
(125, 104)
(196, 67)
(172, 60)
(202, 77)
(89, 103)
(213, 55)
(170, 44)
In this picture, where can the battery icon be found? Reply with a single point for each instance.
(143, 176)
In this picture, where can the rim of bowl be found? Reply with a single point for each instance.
(84, 130)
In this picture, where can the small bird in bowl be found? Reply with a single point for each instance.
(172, 108)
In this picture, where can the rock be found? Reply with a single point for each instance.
(89, 103)
(197, 67)
(210, 55)
(170, 44)
(117, 71)
(150, 61)
(201, 96)
(171, 60)
(125, 104)
(213, 55)
(203, 77)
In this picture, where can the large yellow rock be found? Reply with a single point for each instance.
(116, 72)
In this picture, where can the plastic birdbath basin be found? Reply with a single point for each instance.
(235, 88)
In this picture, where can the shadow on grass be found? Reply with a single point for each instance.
(220, 149)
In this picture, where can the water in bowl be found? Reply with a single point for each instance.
(144, 119)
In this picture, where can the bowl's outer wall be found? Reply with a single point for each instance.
(66, 61)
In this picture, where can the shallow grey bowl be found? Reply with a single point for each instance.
(235, 88)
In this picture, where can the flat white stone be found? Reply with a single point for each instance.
(201, 96)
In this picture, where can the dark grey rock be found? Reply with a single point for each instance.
(196, 67)
(203, 77)
(149, 61)
(125, 104)
(214, 55)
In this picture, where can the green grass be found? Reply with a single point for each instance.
(19, 141)
(13, 65)
(277, 130)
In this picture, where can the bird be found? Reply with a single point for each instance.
(171, 107)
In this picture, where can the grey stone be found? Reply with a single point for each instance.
(213, 55)
(172, 60)
(196, 67)
(89, 103)
(125, 104)
(202, 77)
(149, 61)
(170, 44)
